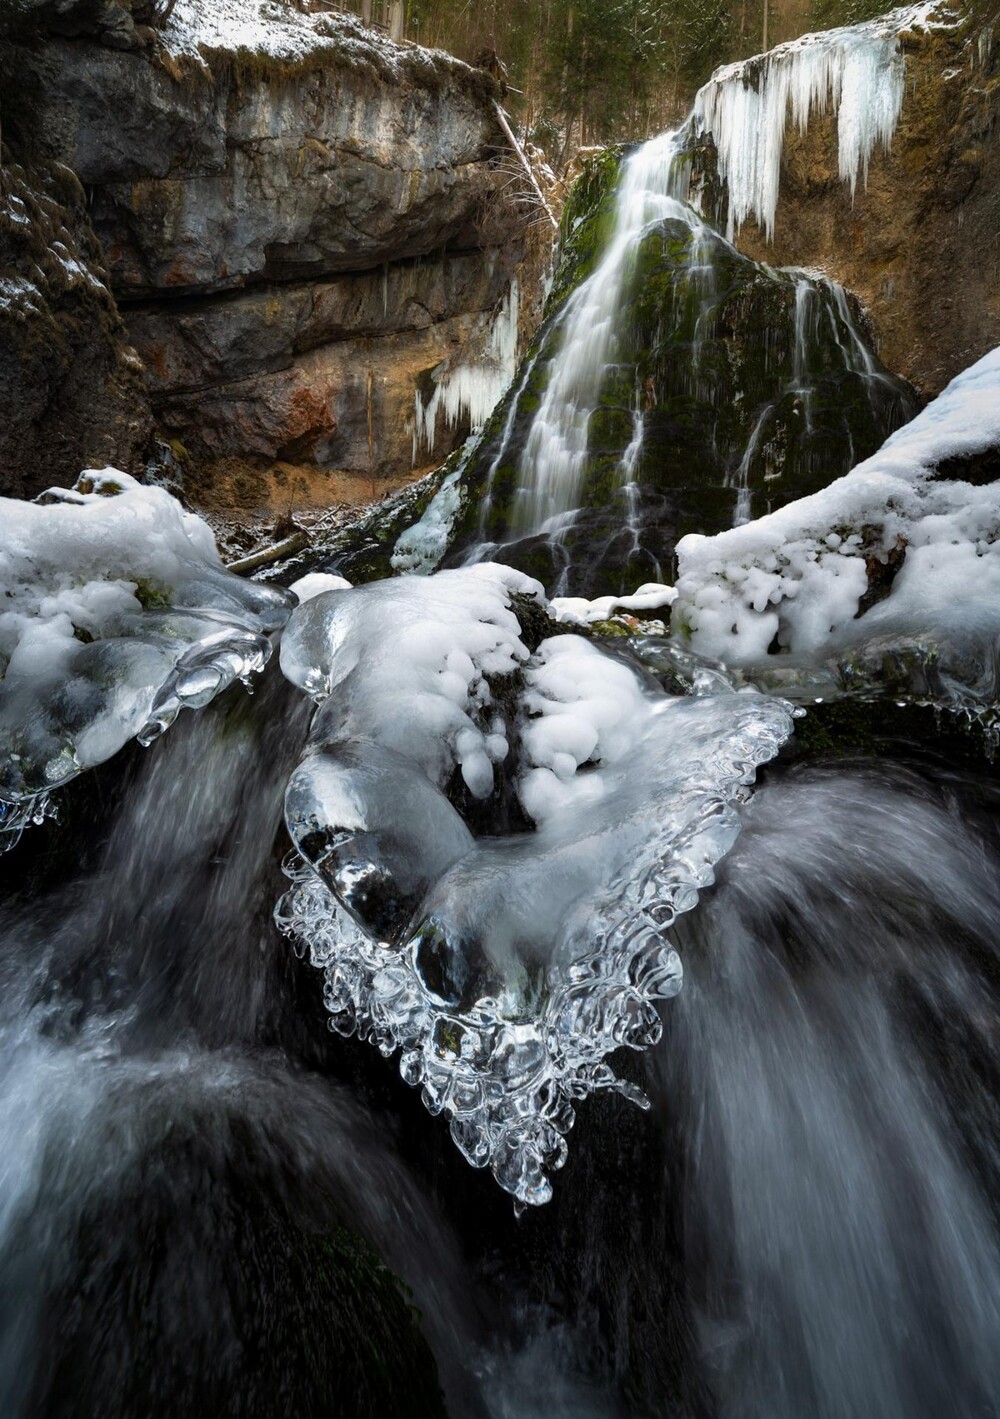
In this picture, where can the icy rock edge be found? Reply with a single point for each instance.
(886, 580)
(504, 968)
(115, 613)
(857, 72)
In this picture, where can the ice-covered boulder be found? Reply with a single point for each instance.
(901, 557)
(115, 613)
(495, 829)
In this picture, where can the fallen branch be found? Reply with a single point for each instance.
(509, 133)
(296, 543)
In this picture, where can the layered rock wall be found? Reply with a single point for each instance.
(71, 392)
(299, 236)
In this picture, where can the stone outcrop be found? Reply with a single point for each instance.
(291, 372)
(920, 243)
(297, 236)
(71, 392)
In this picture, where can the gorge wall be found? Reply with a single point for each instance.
(919, 241)
(302, 224)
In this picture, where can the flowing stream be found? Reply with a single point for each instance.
(804, 1223)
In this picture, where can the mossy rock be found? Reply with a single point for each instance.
(752, 375)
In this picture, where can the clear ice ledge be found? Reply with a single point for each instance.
(494, 834)
(115, 613)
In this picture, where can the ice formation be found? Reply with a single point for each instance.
(116, 612)
(503, 968)
(857, 72)
(471, 388)
(419, 548)
(904, 546)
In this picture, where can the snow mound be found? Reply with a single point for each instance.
(115, 612)
(905, 546)
(647, 600)
(267, 27)
(492, 842)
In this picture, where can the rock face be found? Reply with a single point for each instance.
(70, 386)
(291, 372)
(295, 234)
(920, 244)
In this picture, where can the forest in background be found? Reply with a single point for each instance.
(596, 71)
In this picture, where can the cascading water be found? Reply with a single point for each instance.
(834, 1064)
(652, 185)
(645, 397)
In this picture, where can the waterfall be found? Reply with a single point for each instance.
(564, 480)
(652, 185)
(518, 1008)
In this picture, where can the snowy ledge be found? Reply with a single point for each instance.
(275, 30)
(907, 544)
(115, 613)
(857, 72)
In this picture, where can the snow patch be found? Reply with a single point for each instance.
(577, 610)
(794, 582)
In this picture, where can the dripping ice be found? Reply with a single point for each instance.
(470, 389)
(504, 969)
(856, 72)
(116, 614)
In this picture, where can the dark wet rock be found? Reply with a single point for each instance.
(71, 391)
(290, 371)
(213, 1272)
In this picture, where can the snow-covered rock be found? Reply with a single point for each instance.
(115, 613)
(906, 545)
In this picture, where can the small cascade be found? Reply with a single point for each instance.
(653, 184)
(741, 478)
(630, 464)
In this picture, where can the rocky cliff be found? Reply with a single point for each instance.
(301, 222)
(919, 240)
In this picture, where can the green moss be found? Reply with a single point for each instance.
(586, 224)
(882, 727)
(150, 595)
(711, 369)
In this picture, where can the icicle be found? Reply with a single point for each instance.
(856, 72)
(471, 391)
